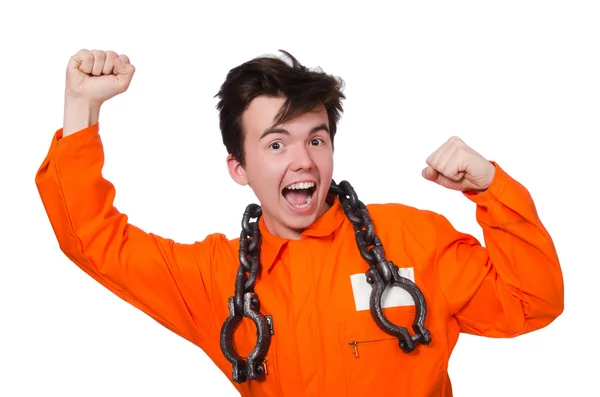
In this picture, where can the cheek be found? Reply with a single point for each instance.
(324, 163)
(265, 176)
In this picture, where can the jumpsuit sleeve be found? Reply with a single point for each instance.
(166, 280)
(513, 285)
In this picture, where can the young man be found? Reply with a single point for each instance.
(300, 292)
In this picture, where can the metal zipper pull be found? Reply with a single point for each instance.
(265, 366)
(355, 346)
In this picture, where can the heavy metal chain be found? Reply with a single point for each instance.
(381, 274)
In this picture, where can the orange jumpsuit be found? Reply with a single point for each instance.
(325, 343)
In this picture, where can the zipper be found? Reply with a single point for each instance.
(355, 344)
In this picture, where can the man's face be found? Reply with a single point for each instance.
(288, 166)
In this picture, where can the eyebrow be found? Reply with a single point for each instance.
(279, 130)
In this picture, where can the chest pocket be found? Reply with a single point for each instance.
(375, 365)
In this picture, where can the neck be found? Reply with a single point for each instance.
(283, 231)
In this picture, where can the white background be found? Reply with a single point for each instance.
(517, 80)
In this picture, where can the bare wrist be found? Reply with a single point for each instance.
(79, 114)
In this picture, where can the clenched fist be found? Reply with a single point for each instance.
(456, 166)
(97, 76)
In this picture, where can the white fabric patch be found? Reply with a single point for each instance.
(392, 297)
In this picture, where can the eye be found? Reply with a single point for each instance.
(275, 145)
(317, 141)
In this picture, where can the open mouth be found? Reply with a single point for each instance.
(299, 195)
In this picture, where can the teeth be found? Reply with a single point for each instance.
(301, 185)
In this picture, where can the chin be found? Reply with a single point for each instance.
(300, 222)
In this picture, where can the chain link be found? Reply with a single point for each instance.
(381, 274)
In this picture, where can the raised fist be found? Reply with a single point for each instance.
(456, 166)
(97, 76)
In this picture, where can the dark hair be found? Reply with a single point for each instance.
(303, 89)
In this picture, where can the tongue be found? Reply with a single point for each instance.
(296, 197)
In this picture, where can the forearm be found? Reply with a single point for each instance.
(522, 252)
(79, 114)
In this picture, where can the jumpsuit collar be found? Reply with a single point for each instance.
(325, 225)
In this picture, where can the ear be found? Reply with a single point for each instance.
(236, 171)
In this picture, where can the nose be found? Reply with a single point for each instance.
(301, 159)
